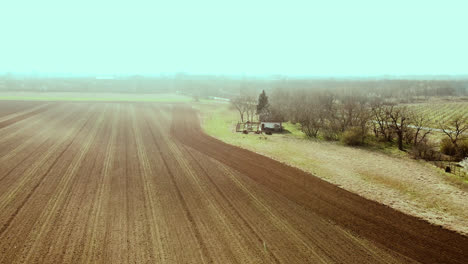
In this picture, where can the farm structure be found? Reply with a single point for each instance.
(248, 126)
(271, 126)
(259, 127)
(110, 182)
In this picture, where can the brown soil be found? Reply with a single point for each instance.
(140, 183)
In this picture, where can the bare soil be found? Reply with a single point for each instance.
(141, 183)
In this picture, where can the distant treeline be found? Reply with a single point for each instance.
(399, 90)
(229, 87)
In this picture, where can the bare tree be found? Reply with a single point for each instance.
(307, 112)
(348, 110)
(239, 104)
(455, 129)
(280, 107)
(310, 120)
(381, 122)
(362, 119)
(250, 104)
(354, 112)
(295, 106)
(421, 130)
(328, 113)
(399, 119)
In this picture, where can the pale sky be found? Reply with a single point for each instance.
(328, 37)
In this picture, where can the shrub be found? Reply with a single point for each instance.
(408, 135)
(353, 137)
(330, 135)
(447, 147)
(424, 150)
(462, 151)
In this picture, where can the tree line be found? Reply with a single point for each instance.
(400, 90)
(357, 118)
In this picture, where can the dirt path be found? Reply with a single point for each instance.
(140, 183)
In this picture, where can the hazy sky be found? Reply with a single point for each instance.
(368, 37)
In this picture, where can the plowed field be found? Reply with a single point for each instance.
(140, 183)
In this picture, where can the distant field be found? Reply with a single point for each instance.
(73, 96)
(441, 112)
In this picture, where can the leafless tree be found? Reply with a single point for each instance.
(294, 107)
(328, 112)
(250, 103)
(420, 125)
(307, 112)
(239, 104)
(353, 111)
(381, 122)
(362, 119)
(399, 119)
(455, 129)
(311, 121)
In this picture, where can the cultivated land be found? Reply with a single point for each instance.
(439, 111)
(141, 183)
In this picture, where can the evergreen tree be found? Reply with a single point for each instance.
(262, 103)
(263, 107)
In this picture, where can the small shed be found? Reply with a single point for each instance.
(271, 126)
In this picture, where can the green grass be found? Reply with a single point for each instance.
(219, 121)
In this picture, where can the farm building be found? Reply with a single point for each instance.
(263, 126)
(271, 126)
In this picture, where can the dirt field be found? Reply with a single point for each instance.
(140, 183)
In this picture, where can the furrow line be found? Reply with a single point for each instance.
(275, 218)
(100, 193)
(22, 112)
(14, 152)
(32, 170)
(231, 206)
(19, 118)
(41, 179)
(204, 254)
(84, 179)
(147, 171)
(65, 184)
